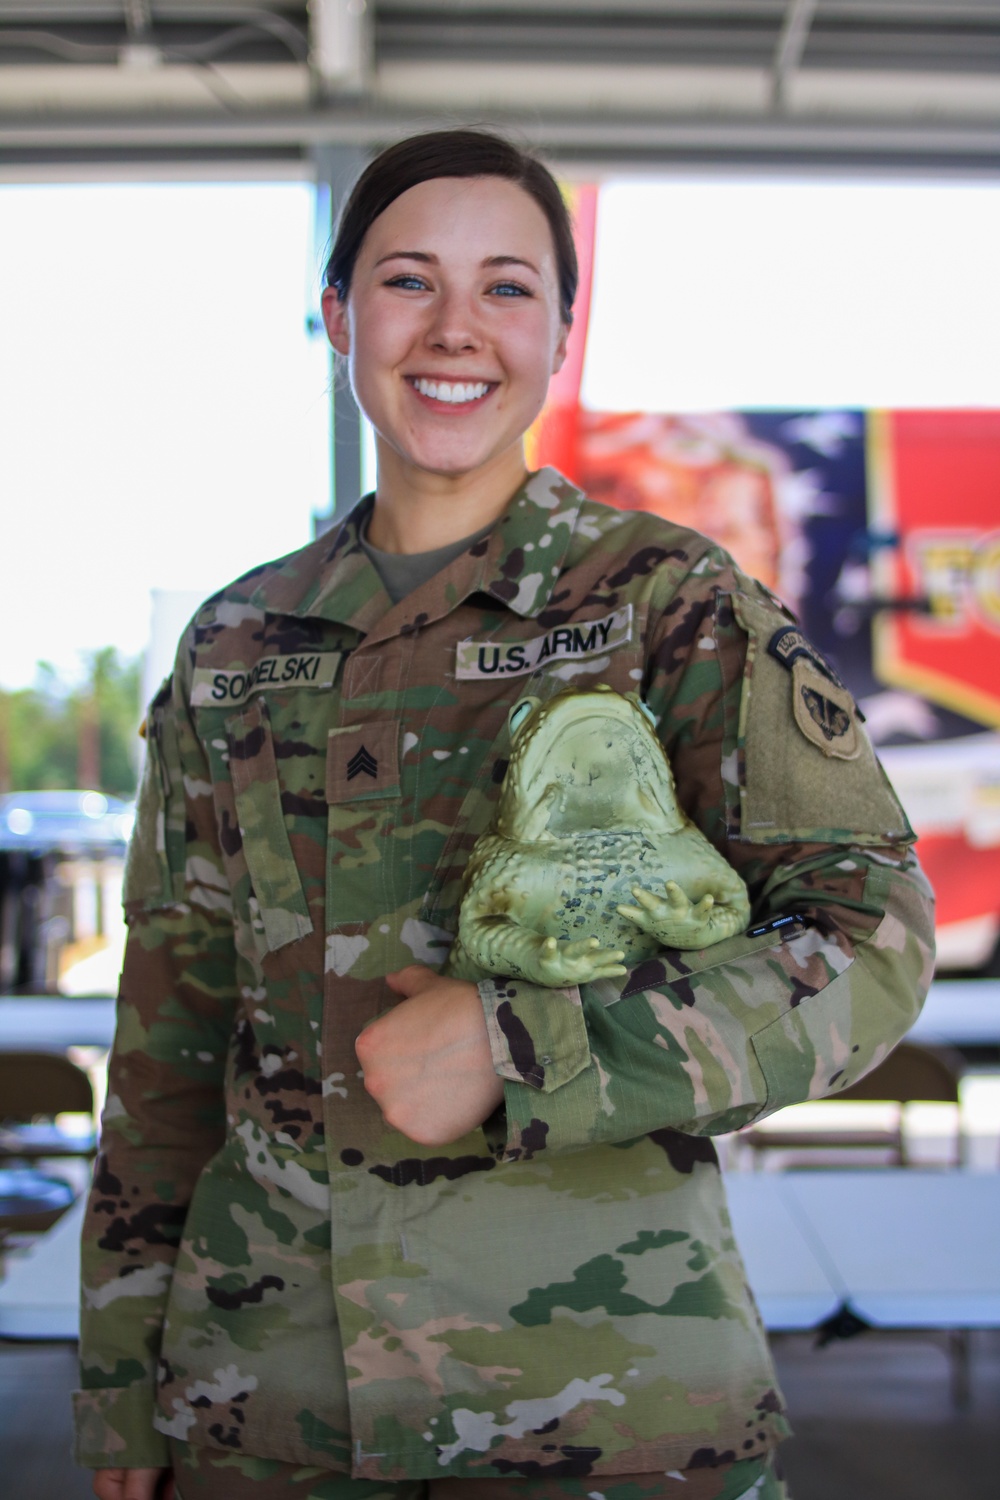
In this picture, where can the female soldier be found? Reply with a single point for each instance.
(496, 1256)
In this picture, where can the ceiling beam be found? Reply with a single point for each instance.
(616, 142)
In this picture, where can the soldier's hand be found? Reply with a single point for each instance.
(134, 1484)
(427, 1063)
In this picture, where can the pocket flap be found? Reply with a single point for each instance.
(284, 913)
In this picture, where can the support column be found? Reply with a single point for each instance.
(337, 168)
(791, 45)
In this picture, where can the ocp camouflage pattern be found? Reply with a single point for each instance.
(267, 1266)
(224, 1474)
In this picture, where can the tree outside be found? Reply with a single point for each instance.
(57, 736)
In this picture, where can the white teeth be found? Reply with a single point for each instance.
(441, 390)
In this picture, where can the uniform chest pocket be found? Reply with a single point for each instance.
(282, 914)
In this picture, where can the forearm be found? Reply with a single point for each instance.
(707, 1042)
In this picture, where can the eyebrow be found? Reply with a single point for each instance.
(492, 261)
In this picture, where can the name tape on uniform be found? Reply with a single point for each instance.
(230, 688)
(518, 658)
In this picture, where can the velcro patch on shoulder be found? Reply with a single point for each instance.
(806, 767)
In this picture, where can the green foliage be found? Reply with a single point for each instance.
(43, 728)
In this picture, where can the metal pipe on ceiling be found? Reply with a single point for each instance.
(616, 142)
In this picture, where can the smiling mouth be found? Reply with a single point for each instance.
(452, 393)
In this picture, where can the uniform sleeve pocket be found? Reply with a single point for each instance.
(804, 1051)
(281, 915)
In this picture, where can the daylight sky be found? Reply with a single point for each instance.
(715, 294)
(164, 416)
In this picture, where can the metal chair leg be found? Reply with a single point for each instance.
(959, 1351)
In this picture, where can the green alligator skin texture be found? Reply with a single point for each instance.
(590, 865)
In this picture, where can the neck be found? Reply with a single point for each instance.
(419, 511)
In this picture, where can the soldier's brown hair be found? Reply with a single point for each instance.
(450, 153)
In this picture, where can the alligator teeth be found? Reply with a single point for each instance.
(443, 390)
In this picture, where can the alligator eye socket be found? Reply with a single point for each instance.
(520, 712)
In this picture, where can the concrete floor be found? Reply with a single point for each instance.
(874, 1420)
(872, 1416)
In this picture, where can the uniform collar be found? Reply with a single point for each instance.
(517, 565)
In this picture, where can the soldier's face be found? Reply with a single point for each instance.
(452, 324)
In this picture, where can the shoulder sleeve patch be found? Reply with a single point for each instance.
(824, 712)
(807, 768)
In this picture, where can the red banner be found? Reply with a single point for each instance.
(554, 438)
(936, 487)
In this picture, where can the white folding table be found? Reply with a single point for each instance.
(907, 1248)
(39, 1296)
(961, 1013)
(792, 1288)
(49, 1023)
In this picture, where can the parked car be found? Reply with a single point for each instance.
(61, 860)
(67, 823)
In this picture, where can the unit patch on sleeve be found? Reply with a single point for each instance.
(516, 659)
(228, 689)
(824, 710)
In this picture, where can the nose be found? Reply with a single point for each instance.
(454, 327)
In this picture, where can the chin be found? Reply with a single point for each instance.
(450, 464)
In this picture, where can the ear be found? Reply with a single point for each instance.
(335, 318)
(560, 349)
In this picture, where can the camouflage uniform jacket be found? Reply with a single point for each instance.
(267, 1266)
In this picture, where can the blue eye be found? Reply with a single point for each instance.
(510, 289)
(408, 283)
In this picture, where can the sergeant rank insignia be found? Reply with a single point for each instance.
(362, 764)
